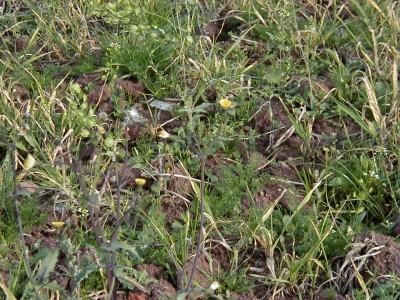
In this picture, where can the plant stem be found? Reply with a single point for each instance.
(19, 222)
(202, 200)
(93, 214)
(201, 226)
(98, 230)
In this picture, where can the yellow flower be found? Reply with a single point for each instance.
(140, 181)
(101, 130)
(29, 162)
(225, 103)
(57, 224)
(163, 134)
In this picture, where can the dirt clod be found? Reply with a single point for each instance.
(161, 289)
(153, 271)
(202, 275)
(99, 94)
(387, 258)
(20, 92)
(131, 88)
(22, 43)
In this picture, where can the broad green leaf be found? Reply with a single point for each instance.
(336, 181)
(20, 146)
(273, 77)
(201, 108)
(48, 264)
(122, 245)
(83, 274)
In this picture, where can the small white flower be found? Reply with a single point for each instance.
(115, 46)
(214, 285)
(381, 150)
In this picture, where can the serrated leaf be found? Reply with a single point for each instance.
(83, 274)
(30, 138)
(286, 220)
(201, 108)
(22, 192)
(122, 245)
(20, 146)
(48, 264)
(52, 286)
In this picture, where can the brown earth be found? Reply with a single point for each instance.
(277, 140)
(174, 204)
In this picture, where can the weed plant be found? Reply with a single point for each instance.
(324, 63)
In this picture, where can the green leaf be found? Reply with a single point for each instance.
(52, 286)
(237, 43)
(182, 295)
(23, 192)
(7, 292)
(336, 181)
(20, 146)
(83, 274)
(201, 108)
(49, 259)
(273, 77)
(30, 138)
(109, 142)
(123, 245)
(352, 112)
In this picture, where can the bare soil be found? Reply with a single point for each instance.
(290, 155)
(382, 253)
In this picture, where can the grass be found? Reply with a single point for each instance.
(258, 136)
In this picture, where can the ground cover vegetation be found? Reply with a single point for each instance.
(242, 149)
